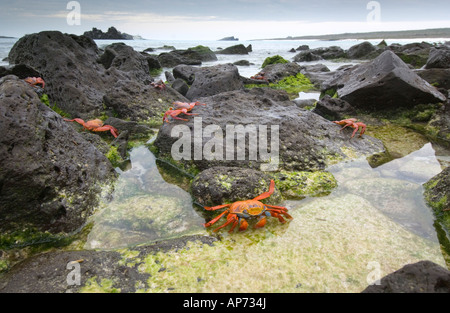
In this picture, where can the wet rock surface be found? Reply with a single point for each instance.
(421, 277)
(214, 80)
(53, 272)
(307, 141)
(50, 175)
(220, 185)
(80, 78)
(385, 83)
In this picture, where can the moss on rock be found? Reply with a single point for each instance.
(295, 185)
(293, 85)
(276, 59)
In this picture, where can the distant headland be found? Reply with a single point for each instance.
(111, 34)
(232, 38)
(406, 34)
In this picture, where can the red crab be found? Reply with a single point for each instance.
(33, 81)
(95, 125)
(174, 114)
(352, 123)
(184, 105)
(259, 76)
(239, 211)
(159, 85)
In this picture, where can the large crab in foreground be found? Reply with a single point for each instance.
(95, 125)
(239, 211)
(352, 123)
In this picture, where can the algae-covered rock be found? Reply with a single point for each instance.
(276, 59)
(298, 185)
(437, 195)
(220, 185)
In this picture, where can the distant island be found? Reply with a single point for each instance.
(6, 37)
(111, 34)
(229, 39)
(406, 34)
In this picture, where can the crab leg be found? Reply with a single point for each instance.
(217, 207)
(106, 128)
(278, 214)
(268, 193)
(215, 219)
(231, 218)
(261, 222)
(244, 224)
(179, 118)
(78, 120)
(281, 208)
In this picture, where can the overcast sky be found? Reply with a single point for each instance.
(214, 19)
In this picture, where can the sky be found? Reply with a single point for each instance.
(214, 19)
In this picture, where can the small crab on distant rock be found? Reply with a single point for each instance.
(158, 85)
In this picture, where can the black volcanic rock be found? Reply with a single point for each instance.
(111, 34)
(50, 176)
(386, 82)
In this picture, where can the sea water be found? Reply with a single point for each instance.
(261, 49)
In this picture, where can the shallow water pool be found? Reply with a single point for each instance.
(372, 224)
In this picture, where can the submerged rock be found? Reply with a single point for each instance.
(385, 83)
(437, 195)
(421, 277)
(50, 176)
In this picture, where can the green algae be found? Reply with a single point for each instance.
(398, 140)
(327, 247)
(45, 100)
(276, 59)
(298, 185)
(114, 156)
(104, 286)
(293, 85)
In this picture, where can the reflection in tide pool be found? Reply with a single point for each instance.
(144, 208)
(394, 188)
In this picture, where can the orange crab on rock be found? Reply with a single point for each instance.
(33, 81)
(174, 114)
(239, 211)
(352, 123)
(184, 105)
(158, 85)
(95, 125)
(180, 108)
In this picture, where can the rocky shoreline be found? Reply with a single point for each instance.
(53, 176)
